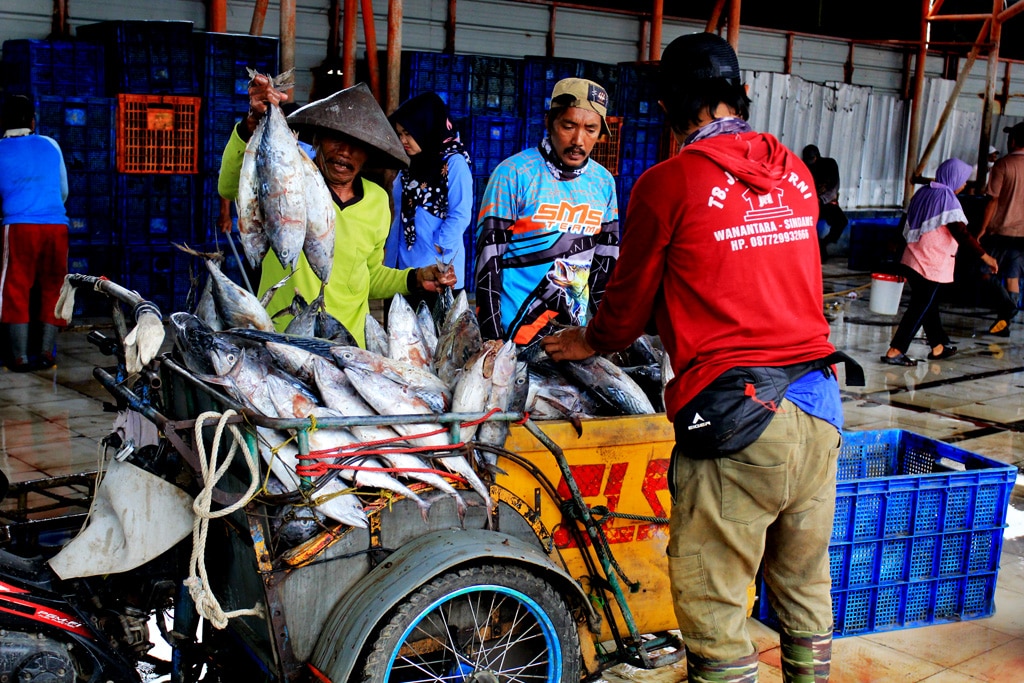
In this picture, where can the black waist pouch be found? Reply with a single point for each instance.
(734, 410)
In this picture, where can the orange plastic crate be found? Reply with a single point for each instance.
(606, 150)
(157, 134)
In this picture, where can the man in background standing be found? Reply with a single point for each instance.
(33, 189)
(1003, 228)
(825, 171)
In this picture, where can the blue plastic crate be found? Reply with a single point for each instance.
(153, 57)
(155, 210)
(539, 77)
(159, 274)
(492, 140)
(918, 529)
(495, 86)
(44, 67)
(635, 96)
(445, 74)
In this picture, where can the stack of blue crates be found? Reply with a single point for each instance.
(66, 81)
(222, 60)
(447, 75)
(145, 57)
(55, 68)
(917, 533)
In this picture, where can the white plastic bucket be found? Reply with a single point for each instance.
(886, 291)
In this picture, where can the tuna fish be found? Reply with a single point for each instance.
(280, 187)
(419, 383)
(405, 343)
(236, 307)
(254, 240)
(376, 336)
(503, 375)
(606, 380)
(458, 341)
(318, 245)
(428, 330)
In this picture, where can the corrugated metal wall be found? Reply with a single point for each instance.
(861, 124)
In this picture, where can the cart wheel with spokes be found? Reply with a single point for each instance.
(483, 624)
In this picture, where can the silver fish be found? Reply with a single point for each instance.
(422, 384)
(255, 243)
(237, 307)
(282, 197)
(459, 341)
(405, 343)
(622, 395)
(303, 324)
(331, 496)
(474, 386)
(428, 330)
(391, 397)
(503, 376)
(318, 245)
(206, 307)
(376, 336)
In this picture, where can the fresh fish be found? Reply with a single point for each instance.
(667, 374)
(257, 385)
(391, 397)
(648, 378)
(318, 245)
(428, 330)
(444, 303)
(422, 384)
(607, 381)
(503, 376)
(474, 386)
(459, 341)
(303, 324)
(279, 188)
(329, 327)
(331, 497)
(321, 347)
(520, 388)
(236, 306)
(206, 307)
(194, 341)
(253, 237)
(552, 396)
(405, 343)
(457, 307)
(291, 525)
(376, 336)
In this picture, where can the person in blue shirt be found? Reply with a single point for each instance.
(548, 225)
(433, 198)
(33, 189)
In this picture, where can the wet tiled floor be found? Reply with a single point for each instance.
(51, 423)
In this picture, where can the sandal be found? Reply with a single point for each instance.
(902, 359)
(1000, 328)
(946, 352)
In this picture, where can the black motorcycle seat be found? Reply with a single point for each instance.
(32, 569)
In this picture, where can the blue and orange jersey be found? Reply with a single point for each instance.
(545, 247)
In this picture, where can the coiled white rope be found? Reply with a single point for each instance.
(198, 583)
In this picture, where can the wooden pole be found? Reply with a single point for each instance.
(218, 19)
(990, 93)
(370, 38)
(733, 31)
(915, 103)
(259, 15)
(449, 28)
(657, 20)
(394, 48)
(348, 47)
(716, 16)
(287, 35)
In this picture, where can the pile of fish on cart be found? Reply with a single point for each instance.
(422, 411)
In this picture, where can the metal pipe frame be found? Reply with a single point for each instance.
(287, 35)
(370, 38)
(259, 15)
(394, 48)
(348, 44)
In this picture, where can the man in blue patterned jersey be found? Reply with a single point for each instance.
(548, 227)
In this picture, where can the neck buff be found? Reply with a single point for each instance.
(555, 165)
(723, 126)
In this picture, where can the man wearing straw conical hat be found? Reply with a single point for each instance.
(349, 132)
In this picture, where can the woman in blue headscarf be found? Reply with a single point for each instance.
(433, 198)
(935, 228)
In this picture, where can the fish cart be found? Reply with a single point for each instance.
(556, 574)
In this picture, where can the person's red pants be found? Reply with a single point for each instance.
(33, 256)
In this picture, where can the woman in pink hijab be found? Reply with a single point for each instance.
(935, 228)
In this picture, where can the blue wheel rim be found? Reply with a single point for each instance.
(523, 601)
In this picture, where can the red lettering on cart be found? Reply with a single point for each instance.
(589, 479)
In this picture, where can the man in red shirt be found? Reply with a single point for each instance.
(720, 252)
